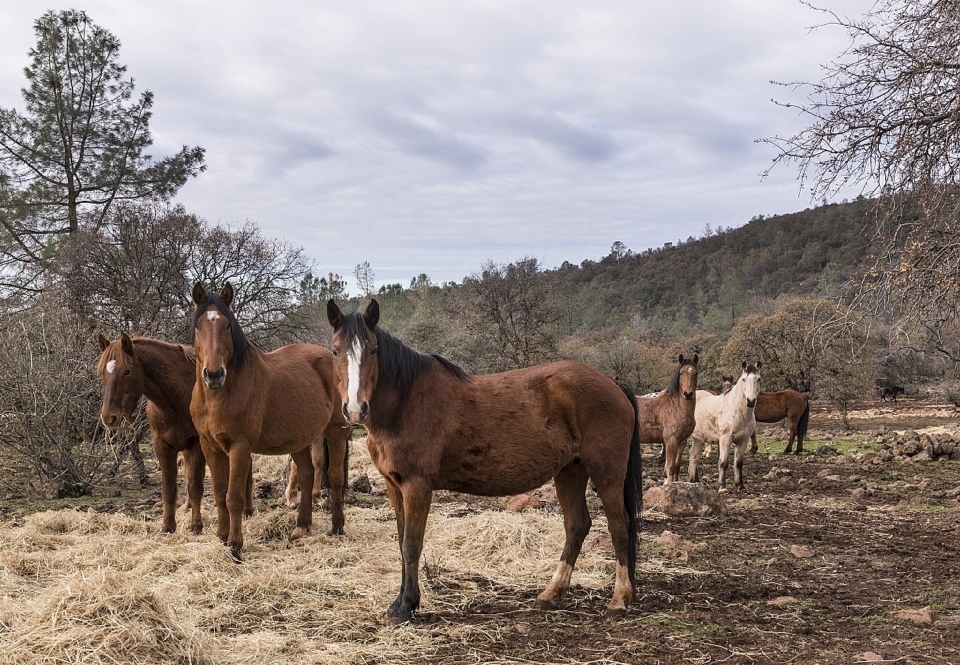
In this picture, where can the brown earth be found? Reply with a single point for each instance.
(827, 557)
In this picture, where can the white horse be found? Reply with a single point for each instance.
(726, 420)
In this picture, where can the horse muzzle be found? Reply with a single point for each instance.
(112, 421)
(356, 416)
(751, 403)
(689, 396)
(215, 379)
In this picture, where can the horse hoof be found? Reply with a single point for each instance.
(235, 555)
(299, 533)
(168, 529)
(336, 531)
(544, 605)
(617, 613)
(248, 512)
(197, 529)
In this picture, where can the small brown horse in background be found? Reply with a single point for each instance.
(248, 401)
(431, 426)
(773, 407)
(164, 374)
(668, 417)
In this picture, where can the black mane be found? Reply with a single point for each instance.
(674, 386)
(241, 345)
(399, 365)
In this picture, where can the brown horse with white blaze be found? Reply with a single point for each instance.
(431, 426)
(248, 401)
(668, 417)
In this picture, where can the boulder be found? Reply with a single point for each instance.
(685, 499)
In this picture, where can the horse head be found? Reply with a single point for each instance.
(218, 341)
(688, 376)
(726, 384)
(122, 381)
(750, 382)
(356, 365)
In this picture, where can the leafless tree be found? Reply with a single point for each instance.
(509, 315)
(885, 119)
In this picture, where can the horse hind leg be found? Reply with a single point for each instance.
(693, 471)
(305, 476)
(292, 494)
(618, 522)
(571, 485)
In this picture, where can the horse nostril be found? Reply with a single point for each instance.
(364, 410)
(343, 410)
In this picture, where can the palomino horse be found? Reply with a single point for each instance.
(774, 407)
(431, 426)
(668, 417)
(248, 401)
(727, 420)
(164, 373)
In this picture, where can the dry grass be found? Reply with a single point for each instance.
(85, 587)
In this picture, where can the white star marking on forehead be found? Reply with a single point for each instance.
(213, 315)
(111, 365)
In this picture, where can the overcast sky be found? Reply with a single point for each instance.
(434, 136)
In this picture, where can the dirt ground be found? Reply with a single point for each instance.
(827, 557)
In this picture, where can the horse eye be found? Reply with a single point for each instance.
(373, 352)
(336, 353)
(126, 372)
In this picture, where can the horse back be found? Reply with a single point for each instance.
(509, 432)
(773, 407)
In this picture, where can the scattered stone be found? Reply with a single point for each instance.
(521, 503)
(781, 601)
(686, 499)
(801, 551)
(362, 484)
(869, 657)
(920, 617)
(677, 546)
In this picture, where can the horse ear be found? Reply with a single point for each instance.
(126, 344)
(102, 342)
(199, 293)
(743, 366)
(680, 359)
(334, 314)
(372, 314)
(757, 365)
(226, 294)
(696, 358)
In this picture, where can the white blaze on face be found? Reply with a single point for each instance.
(212, 315)
(354, 354)
(111, 365)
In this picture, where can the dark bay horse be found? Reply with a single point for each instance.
(668, 417)
(728, 421)
(431, 426)
(248, 401)
(164, 374)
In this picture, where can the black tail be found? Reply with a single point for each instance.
(633, 489)
(802, 425)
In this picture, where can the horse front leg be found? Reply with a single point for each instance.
(238, 493)
(693, 471)
(753, 443)
(739, 454)
(723, 448)
(219, 465)
(194, 469)
(416, 497)
(167, 460)
(305, 476)
(337, 441)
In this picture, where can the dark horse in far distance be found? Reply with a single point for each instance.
(163, 373)
(775, 406)
(668, 416)
(890, 392)
(248, 401)
(431, 426)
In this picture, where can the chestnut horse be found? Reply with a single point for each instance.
(668, 417)
(774, 407)
(248, 401)
(164, 374)
(431, 426)
(727, 420)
